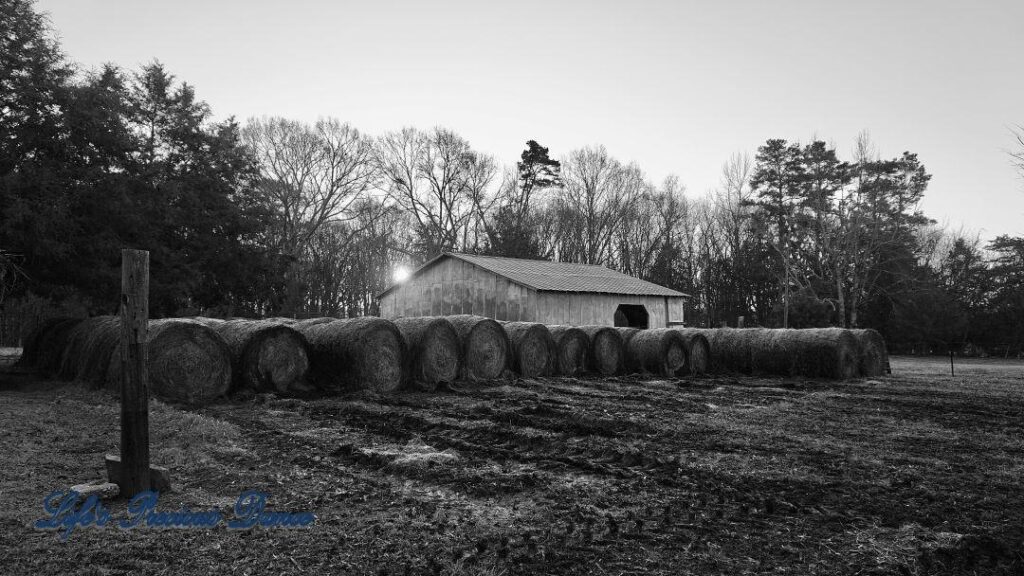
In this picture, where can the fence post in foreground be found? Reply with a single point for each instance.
(134, 477)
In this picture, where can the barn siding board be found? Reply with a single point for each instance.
(530, 305)
(465, 293)
(478, 297)
(501, 298)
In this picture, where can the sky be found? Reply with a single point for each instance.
(676, 86)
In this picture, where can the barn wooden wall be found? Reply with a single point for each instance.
(452, 286)
(597, 309)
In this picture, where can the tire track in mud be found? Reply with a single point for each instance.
(517, 433)
(618, 456)
(471, 477)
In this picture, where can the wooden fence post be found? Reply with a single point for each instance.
(134, 477)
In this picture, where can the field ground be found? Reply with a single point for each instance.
(916, 473)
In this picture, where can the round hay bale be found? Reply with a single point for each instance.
(72, 356)
(660, 351)
(823, 352)
(266, 355)
(571, 348)
(607, 353)
(698, 350)
(312, 321)
(874, 358)
(485, 347)
(34, 339)
(816, 353)
(770, 355)
(354, 354)
(101, 346)
(730, 350)
(433, 346)
(188, 362)
(532, 347)
(87, 353)
(51, 345)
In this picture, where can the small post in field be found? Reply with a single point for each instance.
(134, 477)
(951, 373)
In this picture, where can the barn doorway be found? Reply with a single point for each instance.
(631, 316)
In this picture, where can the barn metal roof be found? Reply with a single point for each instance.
(550, 276)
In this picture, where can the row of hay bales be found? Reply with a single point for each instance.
(194, 360)
(817, 353)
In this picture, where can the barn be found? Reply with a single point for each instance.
(533, 291)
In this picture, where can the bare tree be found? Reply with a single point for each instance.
(313, 177)
(1017, 154)
(440, 180)
(10, 273)
(652, 224)
(349, 263)
(311, 174)
(599, 193)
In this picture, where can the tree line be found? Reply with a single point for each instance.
(274, 216)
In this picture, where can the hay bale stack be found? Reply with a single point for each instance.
(698, 350)
(354, 354)
(874, 357)
(433, 346)
(607, 353)
(532, 347)
(660, 351)
(485, 347)
(266, 355)
(188, 362)
(51, 343)
(571, 347)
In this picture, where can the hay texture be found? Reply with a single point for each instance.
(36, 338)
(607, 353)
(532, 348)
(730, 349)
(188, 362)
(822, 352)
(89, 349)
(571, 347)
(355, 354)
(485, 347)
(433, 347)
(874, 357)
(266, 355)
(698, 350)
(659, 351)
(51, 343)
(308, 321)
(816, 353)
